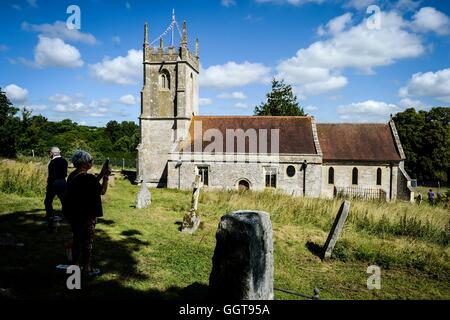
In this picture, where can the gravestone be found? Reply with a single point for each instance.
(243, 258)
(191, 221)
(336, 230)
(143, 197)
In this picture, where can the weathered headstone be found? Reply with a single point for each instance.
(143, 197)
(191, 221)
(243, 258)
(336, 230)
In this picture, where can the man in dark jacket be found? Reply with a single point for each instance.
(56, 181)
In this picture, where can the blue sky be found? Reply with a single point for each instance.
(345, 64)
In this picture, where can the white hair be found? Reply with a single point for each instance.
(80, 158)
(55, 151)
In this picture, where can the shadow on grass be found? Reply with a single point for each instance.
(130, 175)
(29, 272)
(315, 249)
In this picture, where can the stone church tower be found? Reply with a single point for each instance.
(169, 99)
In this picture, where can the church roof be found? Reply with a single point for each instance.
(295, 133)
(357, 142)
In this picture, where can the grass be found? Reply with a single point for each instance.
(144, 255)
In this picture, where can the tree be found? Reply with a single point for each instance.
(9, 125)
(280, 102)
(425, 138)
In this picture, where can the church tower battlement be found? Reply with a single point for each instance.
(169, 99)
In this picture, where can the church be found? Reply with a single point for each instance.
(294, 155)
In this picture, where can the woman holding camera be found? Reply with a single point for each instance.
(83, 206)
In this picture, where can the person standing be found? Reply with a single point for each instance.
(56, 182)
(82, 207)
(431, 197)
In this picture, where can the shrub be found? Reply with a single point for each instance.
(26, 179)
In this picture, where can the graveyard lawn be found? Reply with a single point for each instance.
(143, 254)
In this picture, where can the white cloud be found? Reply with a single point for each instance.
(128, 99)
(228, 3)
(311, 108)
(238, 95)
(292, 2)
(60, 98)
(429, 84)
(15, 93)
(205, 101)
(359, 4)
(429, 19)
(76, 105)
(368, 108)
(120, 70)
(335, 25)
(59, 30)
(241, 105)
(318, 68)
(53, 52)
(3, 47)
(71, 107)
(406, 103)
(407, 5)
(100, 103)
(17, 7)
(127, 5)
(35, 107)
(233, 74)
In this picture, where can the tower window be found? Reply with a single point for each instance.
(379, 177)
(164, 79)
(355, 176)
(331, 175)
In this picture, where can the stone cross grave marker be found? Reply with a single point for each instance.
(336, 230)
(143, 197)
(191, 221)
(243, 258)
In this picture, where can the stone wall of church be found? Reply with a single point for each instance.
(157, 138)
(226, 176)
(367, 177)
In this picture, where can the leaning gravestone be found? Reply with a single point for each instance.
(243, 258)
(336, 230)
(143, 197)
(191, 221)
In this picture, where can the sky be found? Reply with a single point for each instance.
(347, 61)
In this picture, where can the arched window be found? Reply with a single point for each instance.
(165, 79)
(243, 185)
(379, 177)
(355, 176)
(331, 176)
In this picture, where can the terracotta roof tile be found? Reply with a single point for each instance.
(362, 142)
(295, 135)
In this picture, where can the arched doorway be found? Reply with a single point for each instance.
(243, 185)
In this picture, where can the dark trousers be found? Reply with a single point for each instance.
(56, 188)
(83, 242)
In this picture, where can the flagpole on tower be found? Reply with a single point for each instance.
(173, 24)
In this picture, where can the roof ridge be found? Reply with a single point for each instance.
(255, 117)
(350, 123)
